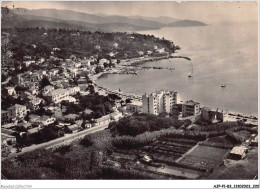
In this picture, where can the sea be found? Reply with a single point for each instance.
(220, 54)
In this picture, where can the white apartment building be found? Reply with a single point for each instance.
(160, 101)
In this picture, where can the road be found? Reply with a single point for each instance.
(59, 141)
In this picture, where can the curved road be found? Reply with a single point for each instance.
(59, 141)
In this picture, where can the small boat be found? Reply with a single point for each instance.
(223, 85)
(191, 71)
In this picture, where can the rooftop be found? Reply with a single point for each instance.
(48, 87)
(73, 127)
(214, 110)
(158, 92)
(57, 92)
(191, 103)
(26, 125)
(87, 111)
(36, 100)
(115, 113)
(239, 150)
(70, 116)
(104, 118)
(3, 111)
(136, 103)
(33, 130)
(7, 131)
(6, 136)
(17, 106)
(44, 118)
(34, 116)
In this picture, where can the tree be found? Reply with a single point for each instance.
(3, 77)
(91, 89)
(128, 100)
(44, 82)
(4, 92)
(175, 112)
(21, 89)
(20, 129)
(114, 97)
(106, 65)
(26, 118)
(97, 114)
(41, 110)
(98, 69)
(187, 122)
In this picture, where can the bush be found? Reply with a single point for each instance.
(141, 123)
(118, 173)
(46, 134)
(101, 140)
(240, 134)
(64, 149)
(128, 142)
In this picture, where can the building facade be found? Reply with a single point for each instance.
(135, 106)
(56, 96)
(159, 102)
(5, 117)
(34, 103)
(213, 115)
(46, 120)
(17, 112)
(190, 108)
(73, 90)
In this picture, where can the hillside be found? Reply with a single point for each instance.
(161, 19)
(84, 17)
(186, 23)
(53, 18)
(10, 19)
(80, 43)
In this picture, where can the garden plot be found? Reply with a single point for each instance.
(167, 150)
(203, 158)
(219, 142)
(164, 152)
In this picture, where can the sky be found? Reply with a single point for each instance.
(208, 12)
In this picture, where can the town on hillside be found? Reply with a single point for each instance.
(48, 93)
(52, 105)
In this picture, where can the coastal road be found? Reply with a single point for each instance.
(59, 141)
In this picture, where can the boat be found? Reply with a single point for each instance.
(223, 85)
(191, 71)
